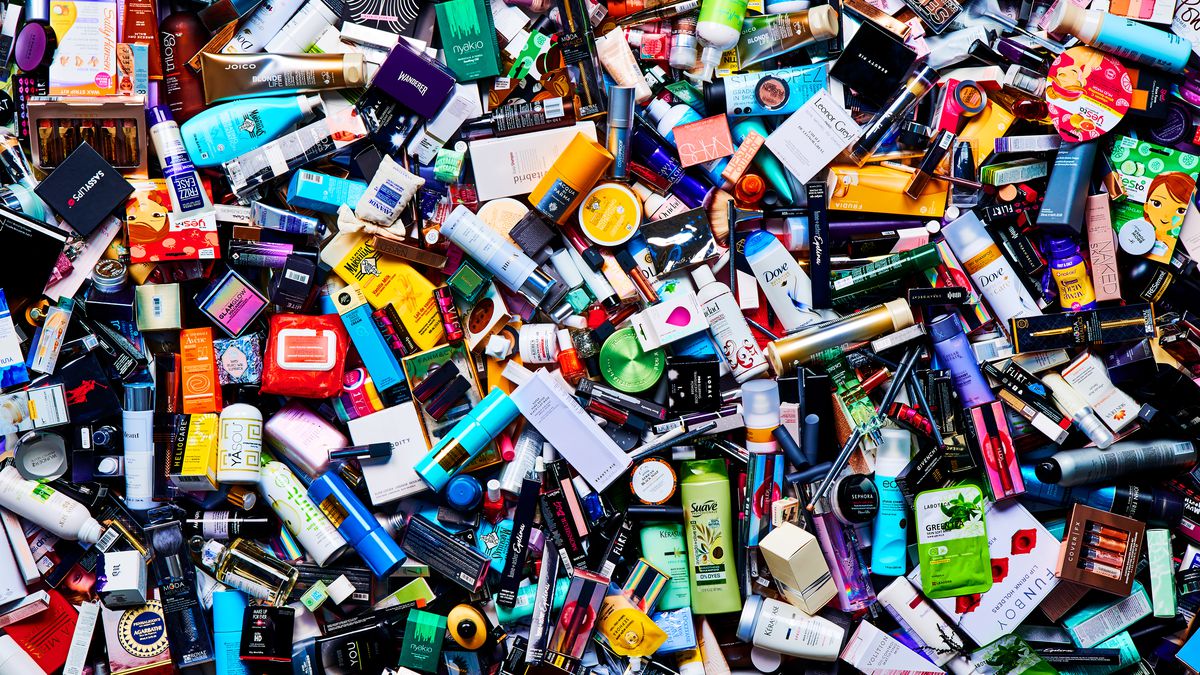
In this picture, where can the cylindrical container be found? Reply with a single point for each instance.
(352, 518)
(451, 320)
(16, 661)
(467, 439)
(1075, 406)
(1093, 465)
(782, 628)
(889, 536)
(226, 525)
(768, 36)
(137, 419)
(289, 499)
(1122, 36)
(576, 170)
(610, 214)
(304, 437)
(1075, 291)
(239, 458)
(896, 109)
(511, 266)
(181, 35)
(728, 326)
(229, 609)
(706, 511)
(230, 76)
(48, 508)
(785, 353)
(992, 273)
(718, 27)
(787, 287)
(538, 343)
(869, 277)
(229, 130)
(760, 410)
(464, 493)
(303, 29)
(525, 453)
(683, 42)
(954, 352)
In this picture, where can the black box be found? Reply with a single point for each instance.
(874, 63)
(84, 190)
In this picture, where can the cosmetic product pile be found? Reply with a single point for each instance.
(630, 337)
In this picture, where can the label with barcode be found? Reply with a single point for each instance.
(298, 277)
(553, 108)
(503, 83)
(311, 177)
(107, 539)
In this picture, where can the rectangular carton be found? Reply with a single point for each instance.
(801, 574)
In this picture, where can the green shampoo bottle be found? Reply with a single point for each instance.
(713, 579)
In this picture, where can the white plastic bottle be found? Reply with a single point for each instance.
(718, 28)
(289, 499)
(728, 326)
(787, 287)
(48, 508)
(16, 661)
(666, 117)
(239, 460)
(890, 532)
(780, 627)
(137, 421)
(992, 273)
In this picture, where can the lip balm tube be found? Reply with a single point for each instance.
(467, 439)
(620, 124)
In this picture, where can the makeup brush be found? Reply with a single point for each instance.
(718, 216)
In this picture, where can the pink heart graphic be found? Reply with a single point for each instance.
(679, 317)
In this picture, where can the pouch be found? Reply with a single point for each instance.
(305, 356)
(952, 543)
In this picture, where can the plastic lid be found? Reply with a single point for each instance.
(493, 489)
(711, 57)
(1048, 471)
(760, 400)
(139, 397)
(158, 114)
(703, 276)
(41, 455)
(964, 232)
(749, 618)
(463, 492)
(896, 446)
(564, 340)
(583, 161)
(657, 108)
(902, 316)
(496, 411)
(823, 22)
(620, 106)
(945, 327)
(311, 104)
(714, 97)
(354, 69)
(228, 608)
(1061, 247)
(340, 589)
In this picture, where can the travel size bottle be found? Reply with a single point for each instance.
(1075, 291)
(239, 458)
(728, 326)
(182, 34)
(244, 565)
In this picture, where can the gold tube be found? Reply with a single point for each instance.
(230, 76)
(786, 353)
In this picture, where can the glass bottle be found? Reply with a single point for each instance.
(244, 565)
(568, 358)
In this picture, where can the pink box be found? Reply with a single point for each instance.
(704, 140)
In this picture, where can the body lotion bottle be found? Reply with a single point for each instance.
(705, 493)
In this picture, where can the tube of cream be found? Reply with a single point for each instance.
(190, 207)
(230, 76)
(306, 144)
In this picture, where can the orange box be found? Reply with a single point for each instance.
(201, 388)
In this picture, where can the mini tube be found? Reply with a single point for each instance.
(767, 36)
(230, 76)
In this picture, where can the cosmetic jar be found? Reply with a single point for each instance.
(626, 366)
(653, 481)
(576, 170)
(41, 456)
(610, 214)
(464, 493)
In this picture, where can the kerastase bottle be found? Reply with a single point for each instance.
(728, 326)
(705, 493)
(1075, 291)
(787, 287)
(780, 627)
(664, 547)
(992, 273)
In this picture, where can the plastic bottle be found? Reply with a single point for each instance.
(954, 352)
(663, 546)
(889, 539)
(229, 607)
(780, 627)
(1075, 292)
(787, 287)
(48, 508)
(289, 499)
(232, 129)
(760, 410)
(181, 35)
(137, 419)
(240, 455)
(718, 28)
(1121, 36)
(705, 493)
(683, 42)
(728, 326)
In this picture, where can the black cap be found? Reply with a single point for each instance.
(714, 97)
(1049, 471)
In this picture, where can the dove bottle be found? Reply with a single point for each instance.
(786, 286)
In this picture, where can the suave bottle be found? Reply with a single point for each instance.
(706, 511)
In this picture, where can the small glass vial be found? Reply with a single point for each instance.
(569, 364)
(244, 565)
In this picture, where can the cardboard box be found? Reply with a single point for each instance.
(124, 580)
(800, 571)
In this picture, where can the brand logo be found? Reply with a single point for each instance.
(709, 506)
(82, 191)
(414, 82)
(770, 275)
(168, 51)
(241, 66)
(468, 47)
(252, 124)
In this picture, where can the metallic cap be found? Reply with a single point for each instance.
(745, 629)
(620, 106)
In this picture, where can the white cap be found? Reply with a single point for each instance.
(310, 104)
(657, 109)
(564, 340)
(340, 589)
(710, 57)
(90, 531)
(16, 661)
(703, 276)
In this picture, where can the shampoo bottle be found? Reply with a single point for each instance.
(705, 493)
(718, 27)
(889, 539)
(663, 546)
(786, 286)
(728, 326)
(229, 130)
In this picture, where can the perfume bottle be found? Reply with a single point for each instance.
(244, 565)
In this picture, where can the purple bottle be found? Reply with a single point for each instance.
(954, 352)
(1075, 291)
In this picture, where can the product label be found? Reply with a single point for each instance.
(557, 200)
(241, 443)
(708, 554)
(952, 542)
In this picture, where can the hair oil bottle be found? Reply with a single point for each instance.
(705, 492)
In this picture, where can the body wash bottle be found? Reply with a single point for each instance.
(889, 537)
(705, 494)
